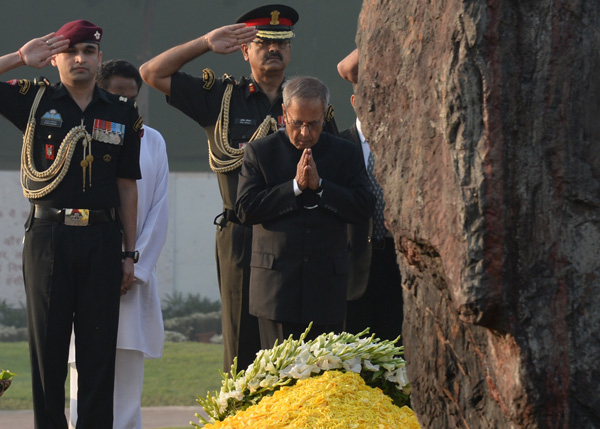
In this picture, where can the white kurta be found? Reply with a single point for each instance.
(140, 319)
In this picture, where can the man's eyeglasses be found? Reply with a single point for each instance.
(311, 126)
(269, 42)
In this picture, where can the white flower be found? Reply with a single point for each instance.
(222, 402)
(328, 362)
(369, 366)
(270, 368)
(299, 371)
(224, 397)
(304, 356)
(269, 381)
(398, 377)
(240, 384)
(253, 385)
(353, 365)
(388, 366)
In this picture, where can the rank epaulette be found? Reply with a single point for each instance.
(41, 81)
(208, 76)
(229, 79)
(128, 101)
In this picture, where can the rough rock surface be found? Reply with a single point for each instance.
(485, 118)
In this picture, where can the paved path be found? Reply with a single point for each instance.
(152, 418)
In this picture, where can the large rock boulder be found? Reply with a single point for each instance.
(485, 120)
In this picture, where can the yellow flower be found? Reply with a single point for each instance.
(335, 399)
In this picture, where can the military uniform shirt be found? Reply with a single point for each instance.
(200, 98)
(56, 115)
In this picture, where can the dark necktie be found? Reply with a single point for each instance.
(378, 224)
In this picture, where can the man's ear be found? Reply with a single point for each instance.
(53, 60)
(100, 56)
(352, 101)
(244, 50)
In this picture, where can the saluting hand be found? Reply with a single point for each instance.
(230, 38)
(38, 52)
(307, 175)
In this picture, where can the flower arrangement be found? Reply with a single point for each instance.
(379, 363)
(331, 400)
(5, 380)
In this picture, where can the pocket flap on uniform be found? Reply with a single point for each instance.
(342, 264)
(262, 260)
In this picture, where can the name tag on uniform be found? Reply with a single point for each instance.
(241, 121)
(51, 119)
(108, 132)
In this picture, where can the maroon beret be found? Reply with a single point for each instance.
(80, 31)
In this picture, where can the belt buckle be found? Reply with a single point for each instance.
(77, 217)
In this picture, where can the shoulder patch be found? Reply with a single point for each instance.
(329, 114)
(138, 124)
(23, 84)
(209, 78)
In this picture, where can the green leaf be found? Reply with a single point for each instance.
(6, 375)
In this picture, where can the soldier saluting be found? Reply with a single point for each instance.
(233, 113)
(79, 166)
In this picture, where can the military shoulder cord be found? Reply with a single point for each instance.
(234, 157)
(60, 166)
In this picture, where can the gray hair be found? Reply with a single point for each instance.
(305, 88)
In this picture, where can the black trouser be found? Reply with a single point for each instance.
(380, 307)
(240, 329)
(72, 278)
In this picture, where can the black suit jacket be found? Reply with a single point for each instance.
(359, 239)
(299, 266)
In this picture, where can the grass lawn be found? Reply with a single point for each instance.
(185, 370)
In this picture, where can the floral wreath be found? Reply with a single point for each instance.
(379, 363)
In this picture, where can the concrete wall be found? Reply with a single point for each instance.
(187, 262)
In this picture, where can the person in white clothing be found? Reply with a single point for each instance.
(141, 330)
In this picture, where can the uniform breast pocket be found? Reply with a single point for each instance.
(241, 132)
(45, 150)
(105, 156)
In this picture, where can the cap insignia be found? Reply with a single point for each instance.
(274, 17)
(97, 35)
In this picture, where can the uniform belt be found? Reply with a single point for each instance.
(231, 216)
(228, 215)
(382, 243)
(74, 217)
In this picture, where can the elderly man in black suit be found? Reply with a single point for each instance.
(299, 188)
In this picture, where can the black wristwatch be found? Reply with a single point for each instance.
(135, 255)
